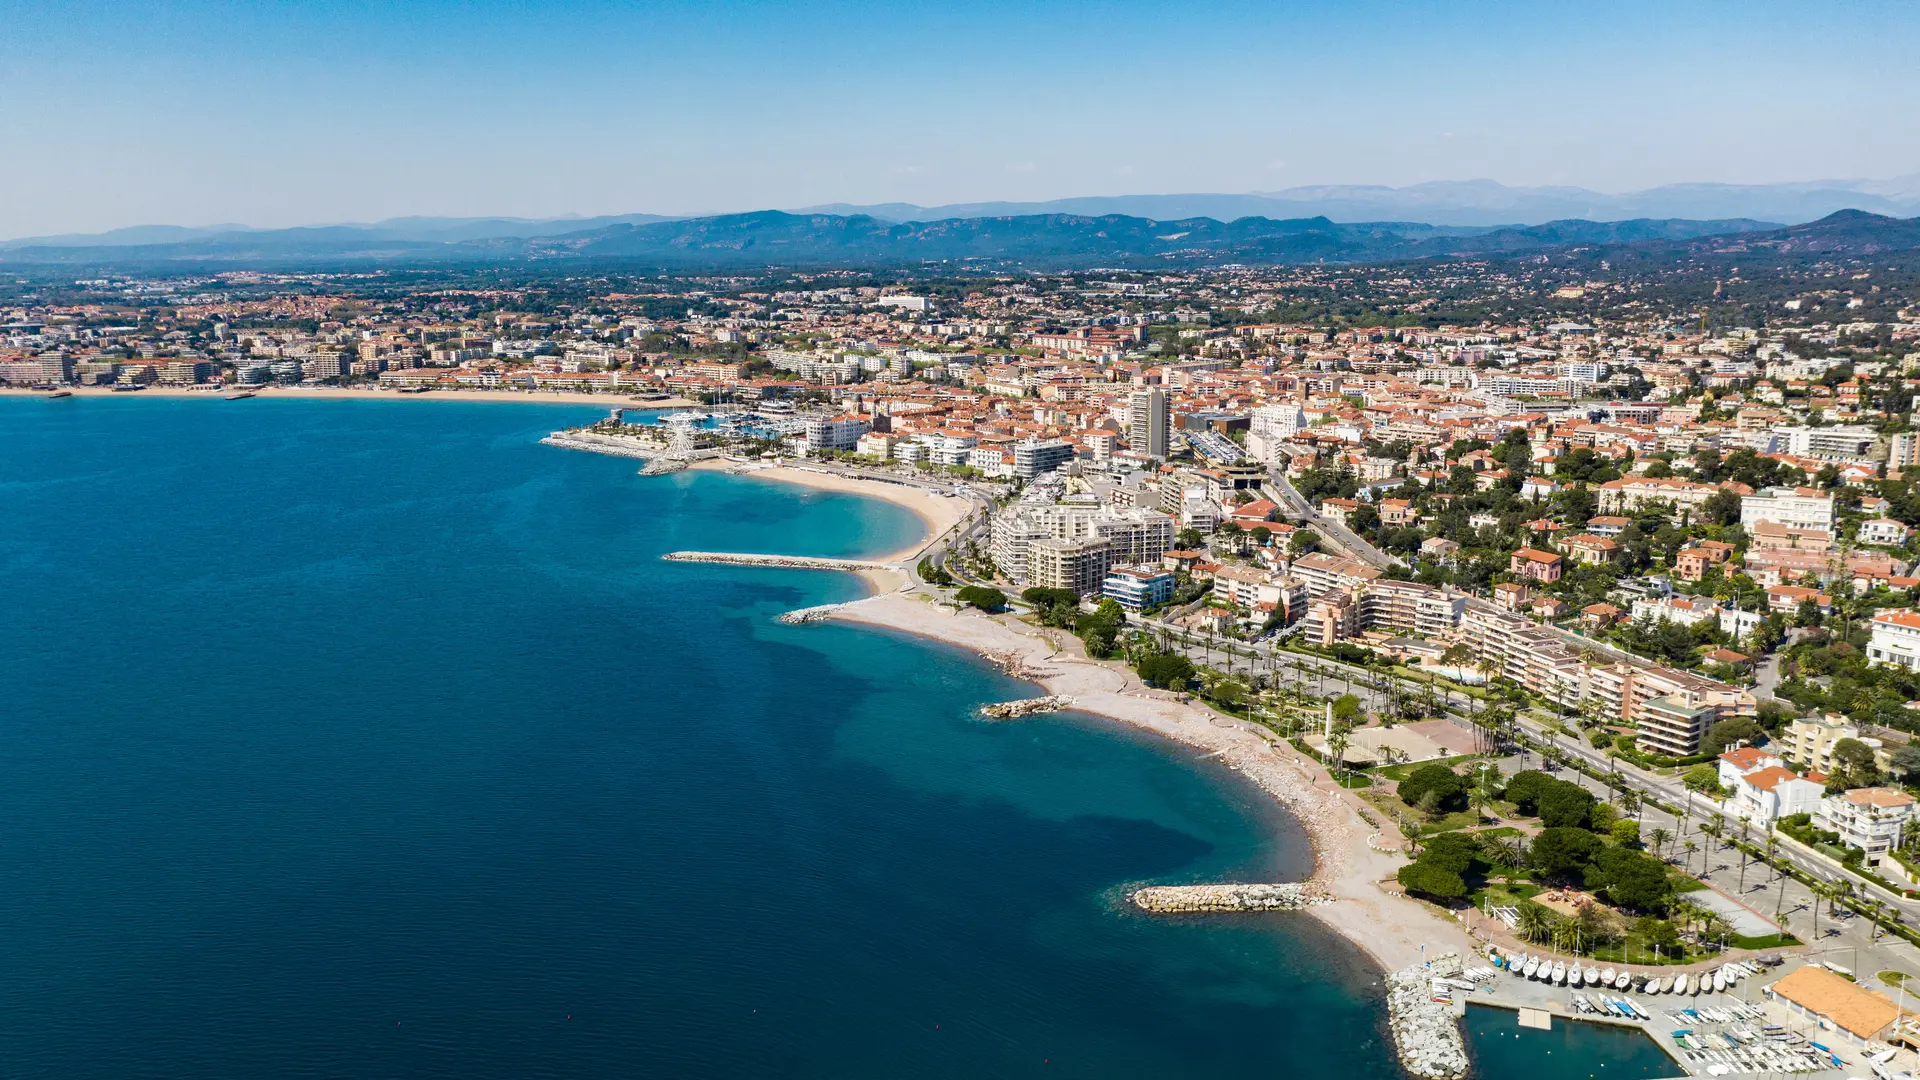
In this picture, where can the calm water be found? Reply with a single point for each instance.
(1501, 1047)
(373, 739)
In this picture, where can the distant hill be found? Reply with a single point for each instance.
(1484, 203)
(405, 230)
(772, 237)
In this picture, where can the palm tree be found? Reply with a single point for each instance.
(1742, 845)
(1658, 837)
(1691, 848)
(1535, 923)
(1821, 890)
(1409, 829)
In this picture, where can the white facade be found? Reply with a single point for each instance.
(1896, 638)
(1796, 508)
(1870, 819)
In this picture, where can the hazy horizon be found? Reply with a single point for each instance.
(134, 112)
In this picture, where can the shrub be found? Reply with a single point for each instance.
(1165, 669)
(1430, 880)
(982, 597)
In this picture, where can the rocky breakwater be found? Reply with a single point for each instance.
(1289, 896)
(1424, 1030)
(1009, 710)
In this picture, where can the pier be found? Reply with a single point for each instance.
(784, 562)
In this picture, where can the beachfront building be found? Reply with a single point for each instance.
(1137, 588)
(1133, 537)
(1076, 564)
(834, 433)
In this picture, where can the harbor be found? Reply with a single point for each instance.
(1721, 1021)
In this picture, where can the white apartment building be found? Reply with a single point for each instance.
(1871, 819)
(1896, 638)
(1796, 508)
(1829, 443)
(834, 433)
(1763, 790)
(1132, 537)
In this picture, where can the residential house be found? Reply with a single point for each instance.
(1871, 819)
(1541, 566)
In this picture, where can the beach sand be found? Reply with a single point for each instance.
(1368, 910)
(353, 393)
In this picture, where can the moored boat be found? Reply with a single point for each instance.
(1560, 972)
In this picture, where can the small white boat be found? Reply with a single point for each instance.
(1575, 976)
(1658, 985)
(1623, 980)
(1560, 972)
(1680, 983)
(1719, 982)
(1606, 977)
(1533, 965)
(1593, 976)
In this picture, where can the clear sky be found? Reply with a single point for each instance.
(280, 113)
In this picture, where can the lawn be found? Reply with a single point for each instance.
(1400, 772)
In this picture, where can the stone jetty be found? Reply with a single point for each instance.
(819, 613)
(1009, 710)
(1425, 1031)
(616, 445)
(787, 562)
(1288, 896)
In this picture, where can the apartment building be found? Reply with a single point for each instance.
(1796, 508)
(1408, 607)
(1031, 457)
(1322, 573)
(1149, 422)
(1896, 638)
(1077, 564)
(833, 433)
(1132, 537)
(1809, 742)
(1137, 588)
(1871, 819)
(1634, 492)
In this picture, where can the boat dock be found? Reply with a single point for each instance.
(1711, 1034)
(784, 562)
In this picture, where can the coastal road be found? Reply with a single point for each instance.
(1328, 528)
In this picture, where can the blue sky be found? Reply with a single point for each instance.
(193, 112)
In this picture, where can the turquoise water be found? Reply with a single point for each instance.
(375, 739)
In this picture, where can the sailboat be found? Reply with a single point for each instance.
(1560, 972)
(1593, 976)
(1606, 977)
(1533, 965)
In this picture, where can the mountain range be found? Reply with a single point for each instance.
(1460, 202)
(1031, 241)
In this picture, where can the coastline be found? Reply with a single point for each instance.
(1388, 927)
(938, 513)
(362, 393)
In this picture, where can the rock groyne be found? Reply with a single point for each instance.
(1425, 1031)
(1288, 896)
(786, 562)
(1009, 710)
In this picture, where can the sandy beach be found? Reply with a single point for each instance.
(1389, 927)
(361, 393)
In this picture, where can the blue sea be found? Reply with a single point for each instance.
(374, 739)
